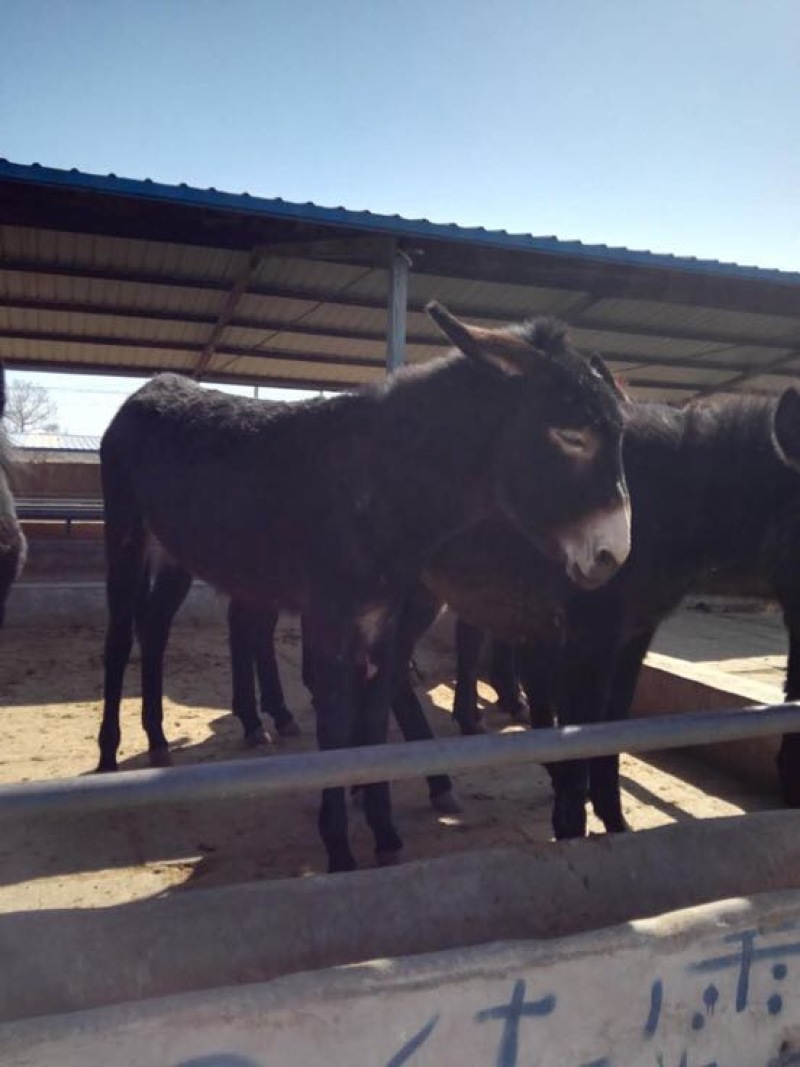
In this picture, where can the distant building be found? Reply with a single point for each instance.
(56, 447)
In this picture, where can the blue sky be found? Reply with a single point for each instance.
(670, 125)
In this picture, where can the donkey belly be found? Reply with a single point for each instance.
(247, 564)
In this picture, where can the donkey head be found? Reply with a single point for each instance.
(786, 427)
(558, 472)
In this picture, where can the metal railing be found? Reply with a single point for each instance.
(354, 766)
(33, 509)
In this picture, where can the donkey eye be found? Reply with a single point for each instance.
(573, 442)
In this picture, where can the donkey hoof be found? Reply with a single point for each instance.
(341, 865)
(106, 765)
(446, 803)
(256, 738)
(388, 857)
(289, 728)
(617, 826)
(476, 727)
(160, 757)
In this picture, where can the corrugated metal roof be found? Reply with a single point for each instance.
(55, 442)
(108, 274)
(367, 220)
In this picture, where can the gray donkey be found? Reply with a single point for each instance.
(12, 540)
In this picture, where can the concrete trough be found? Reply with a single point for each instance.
(701, 987)
(505, 958)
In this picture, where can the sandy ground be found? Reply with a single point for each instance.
(49, 703)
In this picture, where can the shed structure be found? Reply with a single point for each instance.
(109, 275)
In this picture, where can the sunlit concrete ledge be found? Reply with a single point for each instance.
(703, 985)
(670, 685)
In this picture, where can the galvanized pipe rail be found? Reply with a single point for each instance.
(353, 766)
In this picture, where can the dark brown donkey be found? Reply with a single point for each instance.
(12, 540)
(716, 504)
(333, 506)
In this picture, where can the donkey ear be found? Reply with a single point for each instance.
(464, 337)
(786, 427)
(495, 347)
(599, 366)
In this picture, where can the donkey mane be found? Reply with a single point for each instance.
(544, 333)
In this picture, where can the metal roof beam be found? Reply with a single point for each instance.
(280, 326)
(354, 251)
(189, 349)
(368, 304)
(609, 353)
(773, 367)
(603, 276)
(226, 312)
(126, 370)
(235, 352)
(676, 333)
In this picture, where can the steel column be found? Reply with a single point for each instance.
(398, 307)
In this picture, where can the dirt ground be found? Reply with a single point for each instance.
(50, 684)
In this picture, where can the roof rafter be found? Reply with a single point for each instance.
(608, 351)
(235, 294)
(771, 368)
(582, 322)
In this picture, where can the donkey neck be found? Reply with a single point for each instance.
(707, 481)
(436, 442)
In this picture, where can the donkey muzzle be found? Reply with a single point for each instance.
(595, 548)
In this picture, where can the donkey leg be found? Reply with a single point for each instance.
(788, 758)
(154, 622)
(420, 609)
(414, 726)
(538, 667)
(539, 670)
(604, 789)
(118, 644)
(504, 678)
(469, 642)
(243, 644)
(273, 702)
(306, 665)
(581, 697)
(373, 712)
(125, 573)
(332, 696)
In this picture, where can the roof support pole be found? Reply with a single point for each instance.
(398, 308)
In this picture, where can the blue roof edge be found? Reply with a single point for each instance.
(393, 225)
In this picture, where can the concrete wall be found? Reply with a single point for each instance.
(704, 987)
(58, 603)
(67, 479)
(668, 685)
